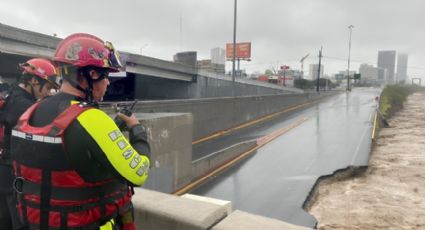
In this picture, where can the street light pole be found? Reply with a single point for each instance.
(350, 27)
(234, 49)
(318, 70)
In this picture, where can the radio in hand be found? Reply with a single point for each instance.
(126, 110)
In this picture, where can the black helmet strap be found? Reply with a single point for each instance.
(26, 78)
(72, 79)
(85, 72)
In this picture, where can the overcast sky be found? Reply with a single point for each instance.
(281, 31)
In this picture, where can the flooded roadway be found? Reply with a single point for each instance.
(276, 180)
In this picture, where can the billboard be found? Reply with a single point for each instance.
(243, 50)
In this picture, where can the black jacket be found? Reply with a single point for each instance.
(17, 103)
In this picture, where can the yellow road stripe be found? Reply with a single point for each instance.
(374, 125)
(253, 122)
(235, 160)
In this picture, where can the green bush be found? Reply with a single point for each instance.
(393, 97)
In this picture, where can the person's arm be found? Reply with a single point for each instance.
(138, 136)
(139, 140)
(130, 161)
(14, 109)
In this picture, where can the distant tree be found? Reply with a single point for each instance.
(303, 84)
(268, 72)
(323, 82)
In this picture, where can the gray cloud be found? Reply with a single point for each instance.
(281, 31)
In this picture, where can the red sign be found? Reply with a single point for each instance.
(243, 50)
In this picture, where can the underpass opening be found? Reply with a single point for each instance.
(9, 67)
(121, 87)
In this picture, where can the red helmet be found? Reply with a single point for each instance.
(87, 50)
(41, 68)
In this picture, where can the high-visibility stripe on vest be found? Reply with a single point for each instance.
(129, 164)
(52, 195)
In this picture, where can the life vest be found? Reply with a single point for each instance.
(52, 195)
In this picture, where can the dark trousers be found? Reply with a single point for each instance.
(9, 218)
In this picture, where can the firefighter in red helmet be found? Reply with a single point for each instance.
(38, 79)
(84, 169)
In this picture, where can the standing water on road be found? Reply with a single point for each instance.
(276, 180)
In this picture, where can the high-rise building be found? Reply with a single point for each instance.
(313, 71)
(401, 68)
(382, 76)
(218, 56)
(217, 62)
(369, 73)
(186, 58)
(386, 60)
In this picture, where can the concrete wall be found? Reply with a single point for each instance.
(205, 164)
(216, 87)
(170, 140)
(204, 87)
(211, 115)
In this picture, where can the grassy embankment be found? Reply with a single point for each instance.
(392, 99)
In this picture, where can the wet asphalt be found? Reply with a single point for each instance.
(276, 180)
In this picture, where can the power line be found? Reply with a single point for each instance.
(374, 63)
(278, 62)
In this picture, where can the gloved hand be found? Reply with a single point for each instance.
(125, 121)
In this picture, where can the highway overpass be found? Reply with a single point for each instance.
(141, 78)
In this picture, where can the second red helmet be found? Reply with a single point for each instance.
(41, 68)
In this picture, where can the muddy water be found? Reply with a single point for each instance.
(391, 193)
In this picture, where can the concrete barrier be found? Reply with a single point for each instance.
(239, 220)
(159, 211)
(212, 115)
(169, 137)
(205, 164)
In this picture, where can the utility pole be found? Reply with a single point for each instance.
(234, 49)
(350, 27)
(302, 65)
(318, 71)
(181, 33)
(141, 48)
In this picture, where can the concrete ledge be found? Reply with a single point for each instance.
(157, 211)
(160, 211)
(223, 203)
(246, 221)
